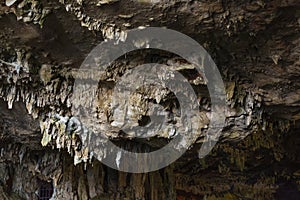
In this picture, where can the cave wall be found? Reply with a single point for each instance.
(255, 45)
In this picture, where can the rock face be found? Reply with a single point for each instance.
(44, 144)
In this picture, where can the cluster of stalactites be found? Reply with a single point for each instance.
(66, 132)
(12, 76)
(29, 10)
(109, 31)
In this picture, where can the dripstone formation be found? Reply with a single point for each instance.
(44, 144)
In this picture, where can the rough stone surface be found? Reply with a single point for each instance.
(255, 45)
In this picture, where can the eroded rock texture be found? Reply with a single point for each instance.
(255, 45)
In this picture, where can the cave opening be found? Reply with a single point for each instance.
(45, 190)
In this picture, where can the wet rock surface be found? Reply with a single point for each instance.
(43, 43)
